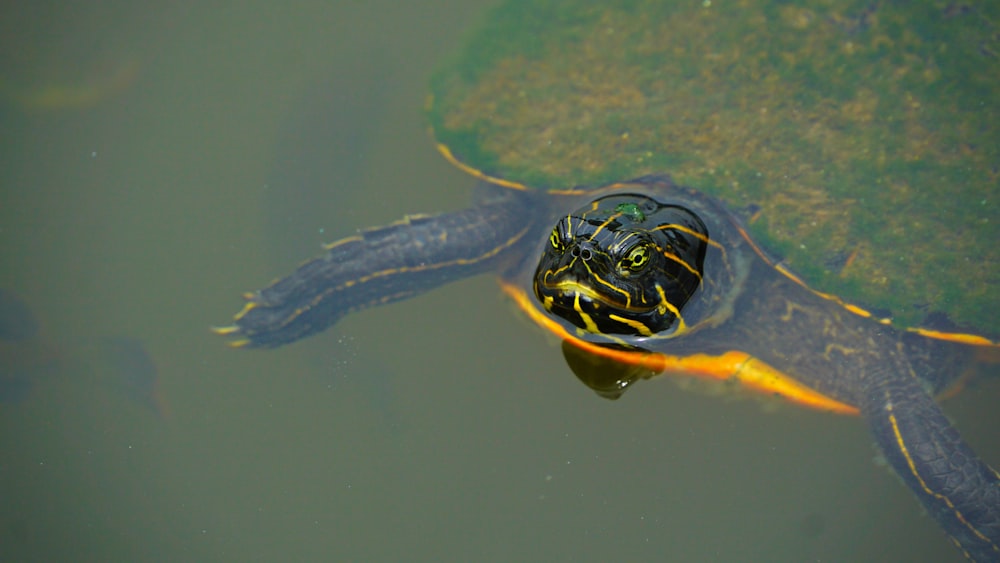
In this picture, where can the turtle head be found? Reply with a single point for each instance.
(625, 264)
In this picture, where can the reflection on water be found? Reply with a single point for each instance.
(322, 152)
(57, 57)
(130, 368)
(492, 450)
(72, 93)
(321, 155)
(26, 357)
(17, 321)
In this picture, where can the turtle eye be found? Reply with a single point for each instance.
(556, 241)
(635, 259)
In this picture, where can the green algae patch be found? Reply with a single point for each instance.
(866, 137)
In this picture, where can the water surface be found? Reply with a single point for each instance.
(442, 428)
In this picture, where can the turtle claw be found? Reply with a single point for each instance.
(229, 331)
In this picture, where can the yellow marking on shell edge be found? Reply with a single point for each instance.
(961, 338)
(748, 370)
(958, 337)
(901, 444)
(856, 310)
(476, 173)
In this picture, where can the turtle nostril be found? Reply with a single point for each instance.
(582, 251)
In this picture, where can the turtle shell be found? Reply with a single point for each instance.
(861, 140)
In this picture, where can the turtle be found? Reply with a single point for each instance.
(797, 198)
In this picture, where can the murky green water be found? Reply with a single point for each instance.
(142, 202)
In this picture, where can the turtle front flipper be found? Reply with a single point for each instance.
(956, 487)
(380, 266)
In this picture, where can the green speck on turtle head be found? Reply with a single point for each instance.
(632, 211)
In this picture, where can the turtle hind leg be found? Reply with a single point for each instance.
(960, 490)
